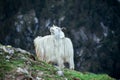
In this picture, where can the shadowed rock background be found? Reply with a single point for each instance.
(93, 26)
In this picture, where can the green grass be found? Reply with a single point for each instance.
(49, 71)
(86, 76)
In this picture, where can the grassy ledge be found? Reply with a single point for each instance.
(17, 64)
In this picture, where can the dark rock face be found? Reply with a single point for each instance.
(93, 27)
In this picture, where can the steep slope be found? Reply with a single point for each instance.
(18, 64)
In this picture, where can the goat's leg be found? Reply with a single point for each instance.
(70, 62)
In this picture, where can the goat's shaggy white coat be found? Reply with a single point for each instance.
(55, 48)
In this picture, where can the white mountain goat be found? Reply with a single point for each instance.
(55, 48)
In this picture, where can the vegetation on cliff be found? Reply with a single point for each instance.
(18, 64)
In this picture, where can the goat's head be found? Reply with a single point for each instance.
(57, 31)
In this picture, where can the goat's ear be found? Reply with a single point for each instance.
(63, 28)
